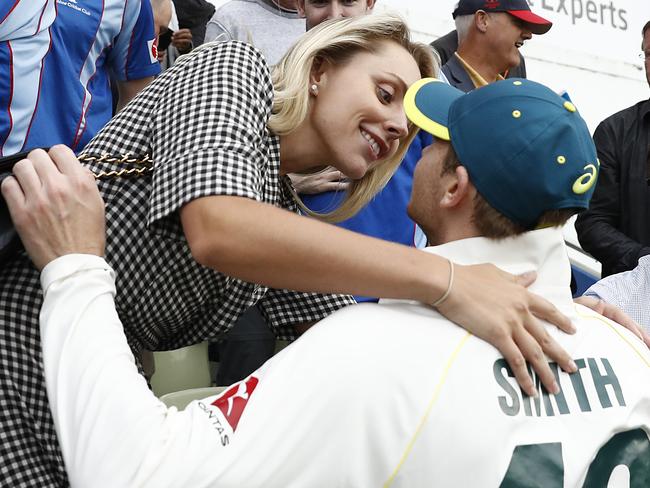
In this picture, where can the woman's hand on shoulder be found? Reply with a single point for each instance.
(495, 306)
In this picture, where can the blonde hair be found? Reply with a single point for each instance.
(336, 41)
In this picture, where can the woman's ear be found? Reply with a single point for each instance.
(318, 72)
(457, 188)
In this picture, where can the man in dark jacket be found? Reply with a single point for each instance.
(447, 45)
(194, 15)
(616, 228)
(489, 36)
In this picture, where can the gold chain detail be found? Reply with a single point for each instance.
(143, 164)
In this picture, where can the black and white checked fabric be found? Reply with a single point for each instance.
(204, 122)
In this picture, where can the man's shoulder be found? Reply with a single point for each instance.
(632, 113)
(446, 46)
(235, 8)
(99, 18)
(241, 8)
(457, 75)
(391, 317)
(242, 18)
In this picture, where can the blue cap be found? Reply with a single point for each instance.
(526, 149)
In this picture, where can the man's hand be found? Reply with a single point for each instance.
(55, 206)
(495, 306)
(612, 312)
(330, 179)
(182, 40)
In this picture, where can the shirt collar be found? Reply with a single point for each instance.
(474, 75)
(541, 250)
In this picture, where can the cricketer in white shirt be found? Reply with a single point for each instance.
(406, 399)
(387, 394)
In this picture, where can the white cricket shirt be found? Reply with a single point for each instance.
(388, 394)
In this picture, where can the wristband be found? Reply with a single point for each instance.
(445, 295)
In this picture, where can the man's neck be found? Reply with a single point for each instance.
(445, 234)
(481, 62)
(542, 251)
(284, 4)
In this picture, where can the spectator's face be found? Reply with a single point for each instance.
(317, 11)
(645, 46)
(428, 191)
(506, 34)
(356, 114)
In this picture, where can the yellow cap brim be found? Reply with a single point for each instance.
(427, 104)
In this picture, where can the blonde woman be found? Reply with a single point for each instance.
(213, 230)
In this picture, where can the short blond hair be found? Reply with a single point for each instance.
(336, 41)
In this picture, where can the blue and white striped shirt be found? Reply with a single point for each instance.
(56, 57)
(629, 291)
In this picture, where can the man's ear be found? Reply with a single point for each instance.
(458, 189)
(481, 20)
(300, 7)
(370, 5)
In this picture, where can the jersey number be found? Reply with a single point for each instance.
(542, 464)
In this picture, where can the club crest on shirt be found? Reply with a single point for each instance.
(153, 50)
(74, 5)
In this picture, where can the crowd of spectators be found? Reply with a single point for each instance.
(74, 70)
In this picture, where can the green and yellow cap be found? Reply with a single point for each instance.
(527, 150)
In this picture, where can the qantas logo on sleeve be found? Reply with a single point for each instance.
(233, 402)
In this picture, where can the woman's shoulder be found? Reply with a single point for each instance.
(235, 69)
(231, 55)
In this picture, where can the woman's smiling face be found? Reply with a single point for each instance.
(357, 110)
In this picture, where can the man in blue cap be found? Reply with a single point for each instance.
(511, 162)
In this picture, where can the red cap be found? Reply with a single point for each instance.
(537, 24)
(517, 8)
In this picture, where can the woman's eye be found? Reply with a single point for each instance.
(384, 95)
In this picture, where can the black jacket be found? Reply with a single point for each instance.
(457, 76)
(194, 15)
(616, 228)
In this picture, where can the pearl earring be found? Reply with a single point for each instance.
(314, 88)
